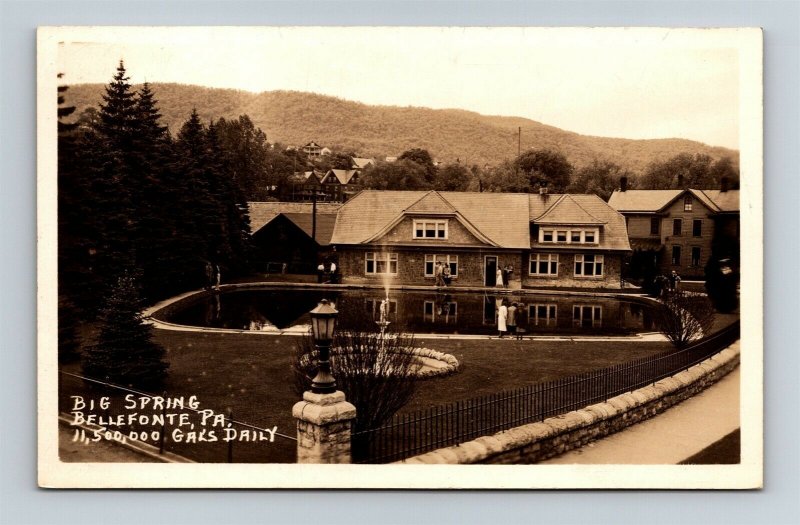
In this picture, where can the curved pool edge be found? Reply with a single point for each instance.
(150, 312)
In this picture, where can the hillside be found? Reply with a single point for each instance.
(295, 118)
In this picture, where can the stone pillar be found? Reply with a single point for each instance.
(323, 428)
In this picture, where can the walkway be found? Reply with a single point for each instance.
(671, 437)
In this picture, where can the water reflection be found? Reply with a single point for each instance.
(275, 310)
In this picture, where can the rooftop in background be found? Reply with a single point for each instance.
(261, 213)
(651, 201)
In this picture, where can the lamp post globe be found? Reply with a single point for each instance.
(323, 325)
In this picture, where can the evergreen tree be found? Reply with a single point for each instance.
(125, 352)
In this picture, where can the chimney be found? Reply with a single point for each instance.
(680, 181)
(623, 184)
(723, 184)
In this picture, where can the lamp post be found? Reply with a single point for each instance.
(323, 324)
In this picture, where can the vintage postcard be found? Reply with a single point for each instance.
(395, 257)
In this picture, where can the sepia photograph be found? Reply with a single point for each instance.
(380, 257)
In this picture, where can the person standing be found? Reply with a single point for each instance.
(512, 319)
(446, 275)
(209, 276)
(499, 278)
(502, 318)
(509, 273)
(439, 270)
(217, 276)
(674, 281)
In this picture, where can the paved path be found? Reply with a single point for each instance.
(671, 437)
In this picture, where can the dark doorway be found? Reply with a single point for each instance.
(490, 271)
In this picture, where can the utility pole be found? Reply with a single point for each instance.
(519, 141)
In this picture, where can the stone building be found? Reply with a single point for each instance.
(397, 237)
(680, 229)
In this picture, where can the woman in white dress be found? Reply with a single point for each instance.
(502, 317)
(499, 278)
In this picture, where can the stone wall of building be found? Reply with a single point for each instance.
(411, 265)
(554, 436)
(612, 268)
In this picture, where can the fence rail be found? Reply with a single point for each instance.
(446, 425)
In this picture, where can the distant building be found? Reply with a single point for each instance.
(285, 233)
(360, 163)
(679, 229)
(339, 185)
(391, 159)
(325, 151)
(312, 149)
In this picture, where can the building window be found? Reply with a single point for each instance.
(569, 236)
(542, 314)
(687, 203)
(677, 226)
(697, 227)
(430, 229)
(380, 263)
(588, 265)
(543, 264)
(676, 255)
(655, 225)
(587, 316)
(695, 256)
(450, 260)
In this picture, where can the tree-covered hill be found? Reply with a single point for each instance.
(295, 118)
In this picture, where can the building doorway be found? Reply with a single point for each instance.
(490, 270)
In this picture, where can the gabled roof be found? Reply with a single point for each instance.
(500, 219)
(567, 211)
(343, 176)
(431, 203)
(642, 200)
(652, 201)
(613, 231)
(325, 225)
(361, 163)
(262, 213)
(726, 201)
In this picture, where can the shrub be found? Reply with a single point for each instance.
(377, 380)
(685, 317)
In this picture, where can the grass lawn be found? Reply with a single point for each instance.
(726, 451)
(251, 375)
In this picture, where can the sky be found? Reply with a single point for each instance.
(631, 83)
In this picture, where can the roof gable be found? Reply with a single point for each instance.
(567, 211)
(431, 203)
(499, 219)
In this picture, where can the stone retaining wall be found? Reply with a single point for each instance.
(539, 441)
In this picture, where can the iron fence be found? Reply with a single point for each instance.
(174, 424)
(441, 426)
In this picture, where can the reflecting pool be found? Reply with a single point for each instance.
(413, 311)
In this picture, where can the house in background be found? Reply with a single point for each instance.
(340, 185)
(360, 163)
(312, 149)
(550, 240)
(288, 233)
(304, 186)
(679, 229)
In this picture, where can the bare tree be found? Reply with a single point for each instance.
(378, 375)
(685, 317)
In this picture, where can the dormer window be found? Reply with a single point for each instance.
(430, 229)
(687, 203)
(569, 236)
